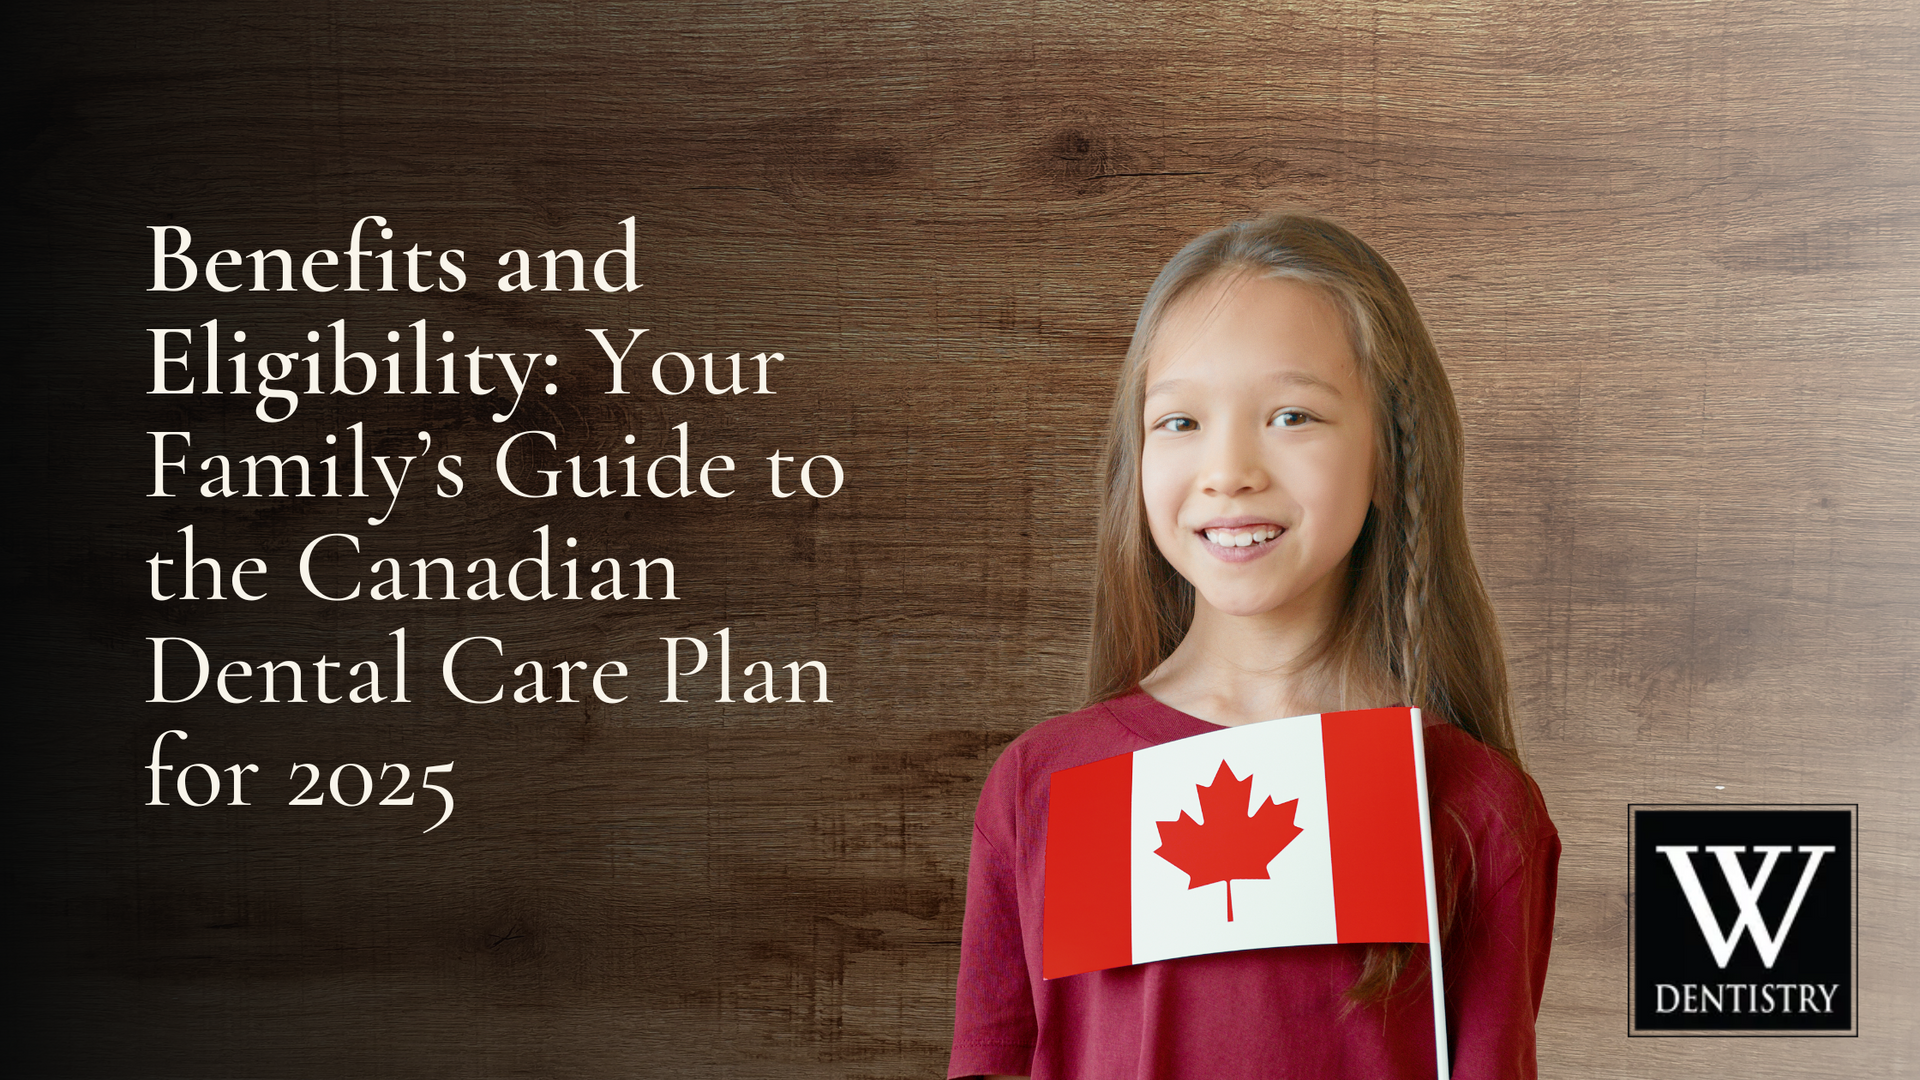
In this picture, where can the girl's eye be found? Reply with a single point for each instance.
(1290, 418)
(1178, 424)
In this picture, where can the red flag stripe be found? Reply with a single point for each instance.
(1087, 921)
(1373, 825)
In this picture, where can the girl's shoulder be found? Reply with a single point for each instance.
(1017, 785)
(1062, 742)
(1467, 770)
(1478, 794)
(1103, 729)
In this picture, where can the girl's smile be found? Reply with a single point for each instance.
(1257, 467)
(1240, 540)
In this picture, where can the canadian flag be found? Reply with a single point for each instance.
(1304, 831)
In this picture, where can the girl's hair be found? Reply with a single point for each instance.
(1416, 620)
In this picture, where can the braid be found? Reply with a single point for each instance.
(1413, 599)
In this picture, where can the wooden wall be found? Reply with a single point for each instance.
(1668, 250)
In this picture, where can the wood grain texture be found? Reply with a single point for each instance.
(1668, 251)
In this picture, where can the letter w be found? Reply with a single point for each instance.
(1746, 894)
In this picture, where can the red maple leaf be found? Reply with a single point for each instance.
(1232, 844)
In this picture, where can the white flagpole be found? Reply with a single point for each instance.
(1433, 906)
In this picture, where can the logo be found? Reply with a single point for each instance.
(1743, 920)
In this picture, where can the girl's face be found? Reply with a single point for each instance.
(1258, 463)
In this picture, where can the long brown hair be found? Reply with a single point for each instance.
(1416, 619)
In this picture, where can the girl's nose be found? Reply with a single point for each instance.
(1233, 465)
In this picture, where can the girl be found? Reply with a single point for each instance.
(1282, 533)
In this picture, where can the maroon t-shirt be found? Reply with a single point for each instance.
(1262, 1012)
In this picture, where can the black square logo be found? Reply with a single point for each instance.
(1743, 920)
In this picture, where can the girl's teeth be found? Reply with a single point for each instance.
(1227, 538)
